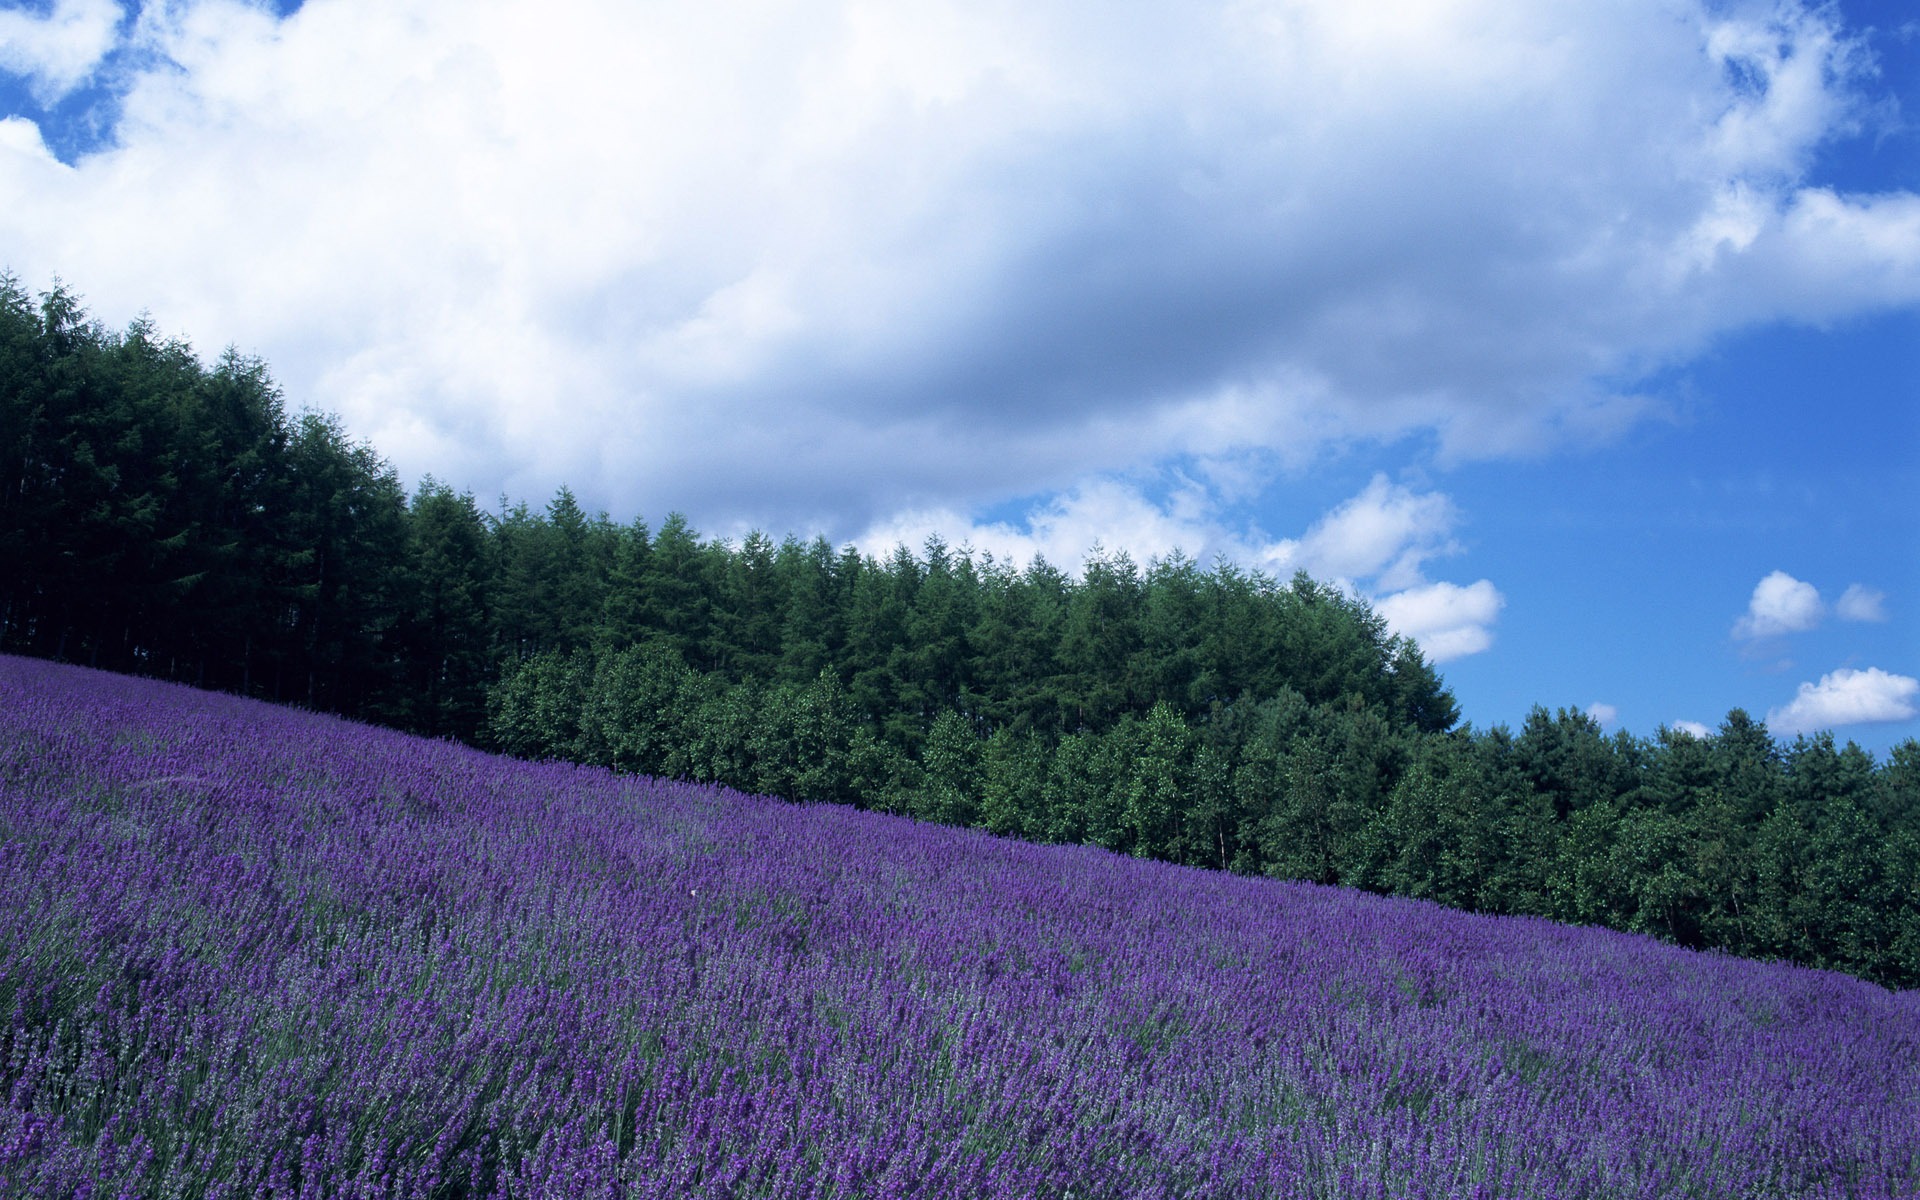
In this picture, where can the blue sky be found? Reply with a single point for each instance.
(1580, 338)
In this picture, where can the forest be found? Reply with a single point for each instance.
(168, 517)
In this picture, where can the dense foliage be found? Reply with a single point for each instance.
(160, 516)
(250, 951)
(1808, 851)
(165, 518)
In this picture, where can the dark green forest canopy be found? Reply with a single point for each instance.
(168, 517)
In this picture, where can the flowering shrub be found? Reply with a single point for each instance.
(248, 951)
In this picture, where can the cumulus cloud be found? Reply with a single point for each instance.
(1372, 545)
(21, 138)
(56, 51)
(1447, 620)
(1107, 514)
(1781, 604)
(831, 261)
(1385, 534)
(1861, 603)
(1848, 697)
(1693, 729)
(1605, 714)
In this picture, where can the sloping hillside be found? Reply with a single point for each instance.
(252, 951)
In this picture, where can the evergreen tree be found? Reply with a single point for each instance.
(810, 639)
(351, 589)
(447, 651)
(623, 614)
(744, 637)
(676, 600)
(1100, 643)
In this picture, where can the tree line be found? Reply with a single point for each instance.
(168, 517)
(1808, 851)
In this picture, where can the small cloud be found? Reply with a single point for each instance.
(1780, 604)
(1114, 515)
(1371, 546)
(1447, 620)
(1691, 729)
(22, 137)
(1605, 714)
(1861, 603)
(1386, 533)
(1848, 697)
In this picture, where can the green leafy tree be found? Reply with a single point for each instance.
(1172, 624)
(1209, 821)
(1014, 799)
(1570, 761)
(803, 743)
(535, 710)
(1019, 624)
(631, 713)
(880, 604)
(1440, 834)
(1895, 802)
(724, 717)
(251, 562)
(1157, 780)
(951, 761)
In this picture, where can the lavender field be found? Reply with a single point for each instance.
(246, 951)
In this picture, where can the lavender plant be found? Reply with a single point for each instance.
(247, 951)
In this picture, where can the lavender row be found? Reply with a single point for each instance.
(246, 951)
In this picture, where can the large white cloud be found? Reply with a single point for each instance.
(817, 262)
(1848, 697)
(1780, 604)
(55, 51)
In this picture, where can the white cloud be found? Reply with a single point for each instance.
(1780, 604)
(830, 260)
(1605, 714)
(19, 136)
(1372, 545)
(1861, 603)
(1848, 697)
(1386, 533)
(1110, 514)
(1448, 621)
(58, 50)
(1693, 729)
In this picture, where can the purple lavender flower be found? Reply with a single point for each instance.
(248, 951)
